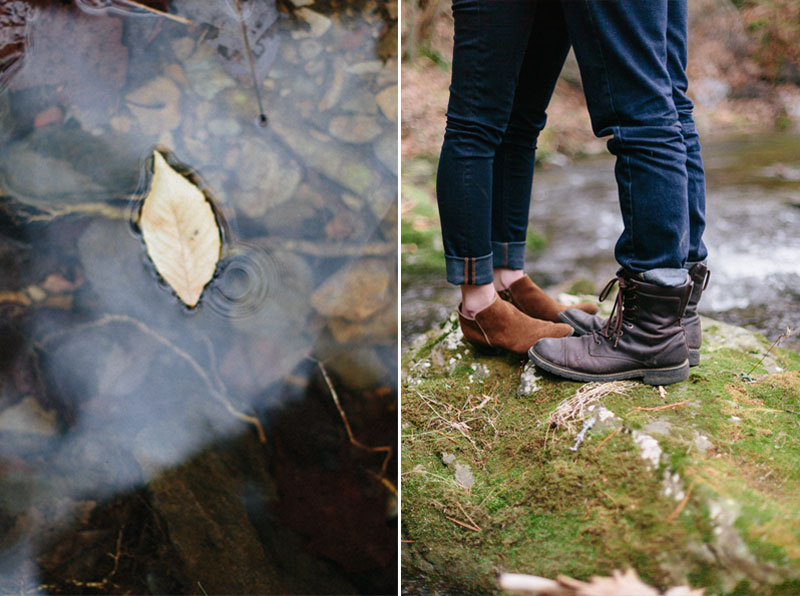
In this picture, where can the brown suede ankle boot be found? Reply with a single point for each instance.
(501, 326)
(643, 339)
(584, 323)
(534, 302)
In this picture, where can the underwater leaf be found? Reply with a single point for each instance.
(180, 232)
(232, 20)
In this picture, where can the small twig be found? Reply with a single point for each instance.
(607, 439)
(780, 338)
(161, 13)
(462, 524)
(202, 589)
(681, 505)
(116, 555)
(659, 408)
(472, 521)
(326, 249)
(215, 392)
(385, 482)
(262, 117)
(353, 441)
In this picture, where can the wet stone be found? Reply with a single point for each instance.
(268, 176)
(387, 100)
(354, 129)
(355, 293)
(206, 76)
(156, 105)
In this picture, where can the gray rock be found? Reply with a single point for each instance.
(464, 476)
(528, 380)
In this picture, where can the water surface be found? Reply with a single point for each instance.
(146, 447)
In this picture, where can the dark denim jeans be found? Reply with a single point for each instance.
(506, 60)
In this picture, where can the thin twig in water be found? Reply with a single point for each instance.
(262, 117)
(217, 393)
(353, 441)
(202, 589)
(780, 338)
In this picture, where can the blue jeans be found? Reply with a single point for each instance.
(506, 60)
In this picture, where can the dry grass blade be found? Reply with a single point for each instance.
(572, 409)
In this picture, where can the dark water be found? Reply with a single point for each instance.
(146, 447)
(753, 217)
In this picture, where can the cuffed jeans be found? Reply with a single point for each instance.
(506, 60)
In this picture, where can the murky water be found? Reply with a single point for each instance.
(753, 212)
(146, 447)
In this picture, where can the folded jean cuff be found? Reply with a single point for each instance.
(469, 270)
(509, 254)
(666, 276)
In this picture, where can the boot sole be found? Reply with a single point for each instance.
(649, 376)
(577, 329)
(694, 354)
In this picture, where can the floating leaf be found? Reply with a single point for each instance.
(180, 232)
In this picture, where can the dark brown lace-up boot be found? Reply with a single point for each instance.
(643, 339)
(584, 323)
(534, 302)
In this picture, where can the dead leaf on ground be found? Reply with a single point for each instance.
(620, 583)
(180, 232)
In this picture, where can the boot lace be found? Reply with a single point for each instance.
(625, 304)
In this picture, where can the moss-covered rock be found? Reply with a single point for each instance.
(697, 482)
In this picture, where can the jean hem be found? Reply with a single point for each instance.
(469, 270)
(508, 254)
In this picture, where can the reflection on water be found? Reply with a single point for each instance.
(753, 217)
(149, 448)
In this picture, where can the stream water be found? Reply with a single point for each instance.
(753, 217)
(146, 447)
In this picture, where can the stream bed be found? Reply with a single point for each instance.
(147, 447)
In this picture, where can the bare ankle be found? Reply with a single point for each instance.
(475, 298)
(504, 277)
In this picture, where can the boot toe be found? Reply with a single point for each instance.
(549, 349)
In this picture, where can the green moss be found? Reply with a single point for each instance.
(545, 509)
(535, 241)
(420, 238)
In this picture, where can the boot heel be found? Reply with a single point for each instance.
(694, 357)
(666, 376)
(486, 350)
